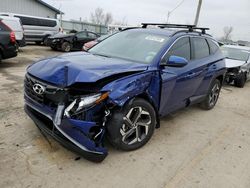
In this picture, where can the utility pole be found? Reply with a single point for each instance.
(198, 13)
(168, 17)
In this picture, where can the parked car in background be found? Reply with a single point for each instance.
(122, 87)
(37, 29)
(72, 41)
(237, 63)
(8, 46)
(92, 43)
(16, 26)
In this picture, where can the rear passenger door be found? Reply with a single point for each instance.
(179, 84)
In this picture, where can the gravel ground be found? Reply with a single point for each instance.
(193, 148)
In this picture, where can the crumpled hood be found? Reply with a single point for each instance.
(231, 63)
(78, 67)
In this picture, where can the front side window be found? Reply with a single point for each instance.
(201, 49)
(180, 48)
(139, 46)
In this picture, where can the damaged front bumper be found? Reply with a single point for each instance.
(75, 135)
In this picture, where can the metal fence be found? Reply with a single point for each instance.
(80, 26)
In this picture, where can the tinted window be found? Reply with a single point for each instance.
(81, 35)
(201, 49)
(3, 27)
(92, 35)
(213, 46)
(180, 48)
(37, 21)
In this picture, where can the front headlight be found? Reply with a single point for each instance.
(83, 102)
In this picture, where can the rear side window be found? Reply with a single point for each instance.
(213, 46)
(37, 21)
(180, 48)
(200, 48)
(81, 35)
(92, 35)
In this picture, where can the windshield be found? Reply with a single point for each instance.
(237, 54)
(136, 46)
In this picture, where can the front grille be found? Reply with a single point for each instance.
(51, 97)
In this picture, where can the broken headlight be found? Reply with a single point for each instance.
(83, 102)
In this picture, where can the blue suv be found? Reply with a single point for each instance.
(121, 87)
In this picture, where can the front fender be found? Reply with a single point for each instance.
(129, 87)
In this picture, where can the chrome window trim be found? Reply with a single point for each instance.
(190, 36)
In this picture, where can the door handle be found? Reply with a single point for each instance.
(190, 75)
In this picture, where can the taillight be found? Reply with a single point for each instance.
(12, 34)
(12, 37)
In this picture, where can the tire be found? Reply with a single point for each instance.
(127, 123)
(240, 80)
(1, 57)
(38, 42)
(66, 47)
(212, 95)
(45, 40)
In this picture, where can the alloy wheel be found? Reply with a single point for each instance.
(136, 125)
(214, 95)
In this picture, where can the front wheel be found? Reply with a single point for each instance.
(240, 80)
(212, 95)
(133, 126)
(46, 40)
(66, 47)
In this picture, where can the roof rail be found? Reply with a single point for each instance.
(190, 28)
(128, 28)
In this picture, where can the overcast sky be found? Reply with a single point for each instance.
(215, 14)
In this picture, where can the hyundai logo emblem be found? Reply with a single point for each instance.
(38, 89)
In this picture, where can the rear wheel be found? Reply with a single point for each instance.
(133, 126)
(66, 47)
(240, 80)
(45, 40)
(212, 95)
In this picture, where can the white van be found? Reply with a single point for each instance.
(37, 29)
(15, 25)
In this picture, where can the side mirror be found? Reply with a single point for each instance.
(175, 61)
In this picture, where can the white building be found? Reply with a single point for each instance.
(29, 7)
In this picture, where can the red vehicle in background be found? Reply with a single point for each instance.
(92, 43)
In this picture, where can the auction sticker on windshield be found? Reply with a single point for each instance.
(155, 38)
